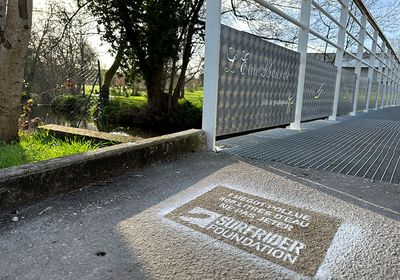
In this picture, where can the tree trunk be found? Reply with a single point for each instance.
(12, 62)
(2, 13)
(3, 4)
(105, 89)
(157, 99)
(187, 52)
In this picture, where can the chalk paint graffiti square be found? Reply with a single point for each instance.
(288, 236)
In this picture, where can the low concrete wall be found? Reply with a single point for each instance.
(29, 183)
(65, 131)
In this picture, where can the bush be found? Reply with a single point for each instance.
(137, 93)
(130, 114)
(189, 115)
(68, 104)
(115, 92)
(123, 113)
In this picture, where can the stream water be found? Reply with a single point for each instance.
(47, 116)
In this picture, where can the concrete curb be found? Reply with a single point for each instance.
(65, 131)
(29, 183)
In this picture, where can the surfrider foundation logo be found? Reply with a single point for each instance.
(286, 235)
(200, 217)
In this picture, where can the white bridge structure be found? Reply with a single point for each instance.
(252, 84)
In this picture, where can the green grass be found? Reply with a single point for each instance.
(129, 110)
(195, 97)
(114, 91)
(136, 101)
(38, 146)
(88, 89)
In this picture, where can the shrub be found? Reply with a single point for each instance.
(189, 115)
(123, 113)
(68, 104)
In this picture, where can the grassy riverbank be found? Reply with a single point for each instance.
(38, 146)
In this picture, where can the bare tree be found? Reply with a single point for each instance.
(59, 51)
(110, 73)
(14, 37)
(269, 26)
(386, 13)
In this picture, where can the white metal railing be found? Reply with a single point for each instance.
(387, 73)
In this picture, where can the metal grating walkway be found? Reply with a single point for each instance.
(367, 146)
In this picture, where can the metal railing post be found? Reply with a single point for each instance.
(385, 80)
(302, 49)
(395, 82)
(371, 69)
(397, 89)
(392, 82)
(390, 77)
(344, 15)
(394, 89)
(357, 71)
(390, 85)
(211, 70)
(380, 74)
(394, 92)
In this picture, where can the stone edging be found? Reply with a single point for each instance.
(29, 183)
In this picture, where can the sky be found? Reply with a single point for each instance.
(101, 47)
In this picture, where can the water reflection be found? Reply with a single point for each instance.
(47, 116)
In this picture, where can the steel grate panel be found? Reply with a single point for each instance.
(257, 83)
(366, 146)
(347, 86)
(319, 89)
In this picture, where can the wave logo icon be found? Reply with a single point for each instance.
(319, 91)
(200, 217)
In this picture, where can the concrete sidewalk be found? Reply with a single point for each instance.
(161, 223)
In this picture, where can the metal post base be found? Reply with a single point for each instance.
(294, 126)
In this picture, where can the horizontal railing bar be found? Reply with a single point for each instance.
(380, 60)
(380, 47)
(368, 49)
(344, 5)
(355, 18)
(360, 5)
(392, 63)
(382, 73)
(281, 13)
(356, 58)
(370, 36)
(328, 15)
(352, 55)
(358, 41)
(353, 37)
(391, 60)
(316, 34)
(367, 64)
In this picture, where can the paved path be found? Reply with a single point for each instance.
(120, 228)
